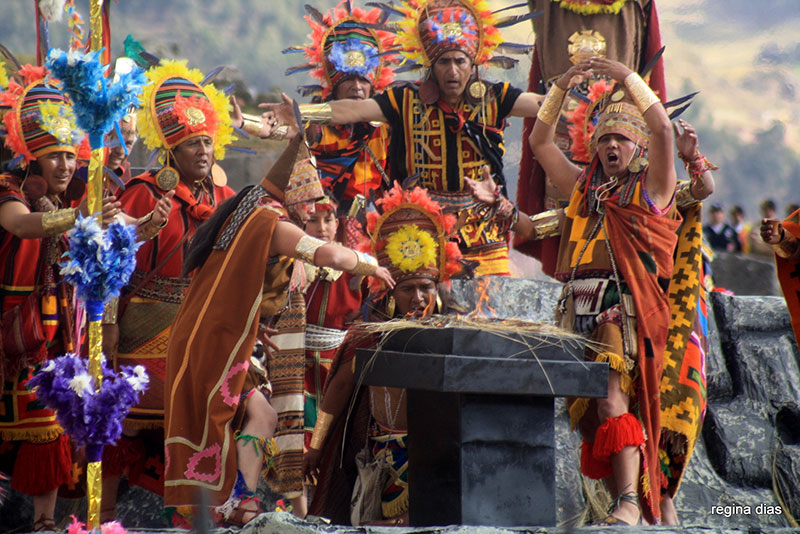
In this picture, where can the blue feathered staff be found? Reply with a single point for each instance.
(91, 400)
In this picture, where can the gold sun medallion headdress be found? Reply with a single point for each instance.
(347, 41)
(409, 235)
(432, 27)
(177, 106)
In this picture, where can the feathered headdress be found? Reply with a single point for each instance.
(410, 237)
(432, 27)
(345, 42)
(41, 119)
(178, 106)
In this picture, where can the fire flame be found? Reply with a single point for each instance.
(482, 308)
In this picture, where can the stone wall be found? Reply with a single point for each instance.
(750, 441)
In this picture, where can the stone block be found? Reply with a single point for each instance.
(739, 437)
(498, 297)
(745, 275)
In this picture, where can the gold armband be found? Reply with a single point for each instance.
(59, 221)
(321, 428)
(146, 229)
(640, 92)
(252, 127)
(306, 247)
(543, 226)
(366, 265)
(319, 113)
(551, 107)
(683, 195)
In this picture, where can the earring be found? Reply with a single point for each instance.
(391, 304)
(167, 178)
(438, 303)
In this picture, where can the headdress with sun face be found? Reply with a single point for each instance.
(40, 119)
(605, 110)
(177, 107)
(410, 236)
(345, 44)
(433, 27)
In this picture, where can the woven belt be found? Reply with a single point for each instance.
(319, 338)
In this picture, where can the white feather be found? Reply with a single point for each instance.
(52, 10)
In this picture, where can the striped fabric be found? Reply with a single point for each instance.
(39, 141)
(173, 131)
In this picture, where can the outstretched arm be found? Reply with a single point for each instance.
(560, 170)
(546, 224)
(700, 172)
(527, 105)
(346, 111)
(16, 218)
(285, 242)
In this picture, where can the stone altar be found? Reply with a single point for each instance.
(481, 419)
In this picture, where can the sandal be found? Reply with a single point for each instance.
(44, 524)
(237, 517)
(610, 520)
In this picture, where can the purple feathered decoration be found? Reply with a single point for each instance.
(98, 104)
(100, 262)
(92, 418)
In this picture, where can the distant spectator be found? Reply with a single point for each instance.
(768, 211)
(791, 208)
(742, 228)
(720, 235)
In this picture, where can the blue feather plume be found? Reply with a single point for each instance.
(99, 263)
(97, 103)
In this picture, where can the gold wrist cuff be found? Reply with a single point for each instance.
(366, 265)
(551, 107)
(59, 221)
(321, 428)
(545, 224)
(306, 247)
(252, 127)
(640, 92)
(683, 195)
(146, 229)
(279, 133)
(319, 113)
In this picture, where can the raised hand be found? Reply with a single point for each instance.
(772, 231)
(162, 209)
(685, 140)
(575, 75)
(608, 67)
(282, 114)
(383, 275)
(484, 191)
(111, 208)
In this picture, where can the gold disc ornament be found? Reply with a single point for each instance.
(167, 178)
(477, 89)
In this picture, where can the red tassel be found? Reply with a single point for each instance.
(42, 467)
(591, 466)
(615, 434)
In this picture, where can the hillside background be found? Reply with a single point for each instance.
(743, 56)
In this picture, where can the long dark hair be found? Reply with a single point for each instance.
(203, 240)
